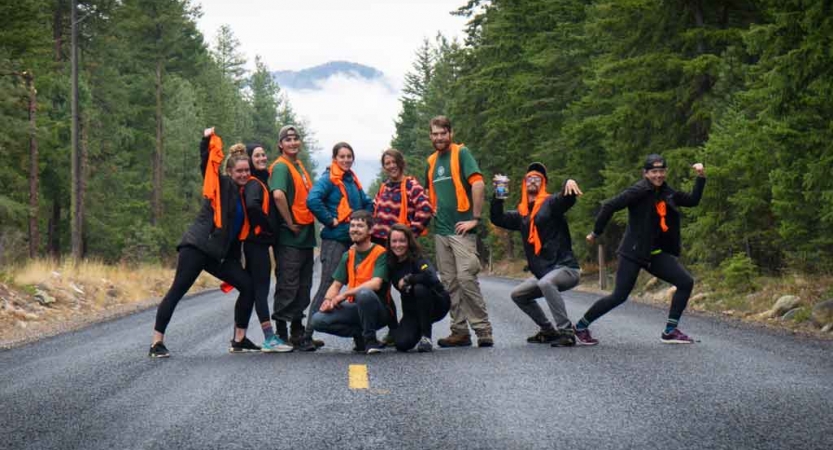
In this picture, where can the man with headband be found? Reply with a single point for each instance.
(549, 252)
(651, 242)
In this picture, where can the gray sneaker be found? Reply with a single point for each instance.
(425, 345)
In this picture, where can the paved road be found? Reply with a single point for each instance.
(739, 388)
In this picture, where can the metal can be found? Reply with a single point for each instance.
(501, 184)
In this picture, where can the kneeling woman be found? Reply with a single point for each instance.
(424, 299)
(212, 242)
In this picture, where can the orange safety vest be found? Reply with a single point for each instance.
(364, 272)
(460, 192)
(523, 210)
(244, 231)
(300, 212)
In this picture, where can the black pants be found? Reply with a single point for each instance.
(663, 266)
(420, 309)
(190, 264)
(294, 282)
(259, 268)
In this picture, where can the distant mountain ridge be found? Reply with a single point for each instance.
(310, 77)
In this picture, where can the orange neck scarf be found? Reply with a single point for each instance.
(459, 190)
(523, 209)
(662, 210)
(211, 180)
(364, 272)
(337, 178)
(302, 184)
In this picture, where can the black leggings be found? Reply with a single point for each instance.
(259, 268)
(420, 309)
(663, 266)
(190, 264)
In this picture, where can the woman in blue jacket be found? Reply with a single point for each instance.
(335, 195)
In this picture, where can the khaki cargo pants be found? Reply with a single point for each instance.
(459, 264)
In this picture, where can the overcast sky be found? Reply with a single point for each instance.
(297, 34)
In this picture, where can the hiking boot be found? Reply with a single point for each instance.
(455, 340)
(276, 345)
(583, 337)
(296, 332)
(425, 345)
(317, 343)
(676, 337)
(359, 345)
(244, 346)
(485, 341)
(158, 350)
(388, 340)
(543, 336)
(372, 346)
(566, 338)
(305, 345)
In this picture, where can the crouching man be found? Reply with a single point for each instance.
(365, 305)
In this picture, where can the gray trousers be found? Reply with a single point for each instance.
(549, 286)
(293, 272)
(360, 318)
(331, 253)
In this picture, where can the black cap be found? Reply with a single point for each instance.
(538, 167)
(652, 160)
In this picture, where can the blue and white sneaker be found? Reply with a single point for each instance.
(276, 345)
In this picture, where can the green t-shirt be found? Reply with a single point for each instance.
(380, 268)
(281, 180)
(447, 215)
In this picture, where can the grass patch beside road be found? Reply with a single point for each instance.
(43, 297)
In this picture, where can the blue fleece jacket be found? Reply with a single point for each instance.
(323, 200)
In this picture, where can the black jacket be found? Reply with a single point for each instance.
(553, 231)
(418, 271)
(202, 234)
(640, 199)
(253, 194)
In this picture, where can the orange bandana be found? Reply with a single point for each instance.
(337, 178)
(302, 184)
(523, 209)
(661, 211)
(211, 180)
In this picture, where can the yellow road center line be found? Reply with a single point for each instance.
(357, 376)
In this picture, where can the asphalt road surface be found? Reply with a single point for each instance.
(739, 387)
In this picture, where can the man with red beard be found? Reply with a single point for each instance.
(455, 189)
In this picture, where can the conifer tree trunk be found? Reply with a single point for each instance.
(156, 195)
(34, 233)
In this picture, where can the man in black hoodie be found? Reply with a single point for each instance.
(651, 242)
(549, 253)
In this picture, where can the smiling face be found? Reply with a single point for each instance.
(259, 158)
(240, 172)
(344, 158)
(391, 168)
(359, 231)
(399, 244)
(441, 138)
(290, 145)
(656, 176)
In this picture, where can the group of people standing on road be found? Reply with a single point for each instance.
(367, 246)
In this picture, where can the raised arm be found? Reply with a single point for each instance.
(510, 220)
(693, 199)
